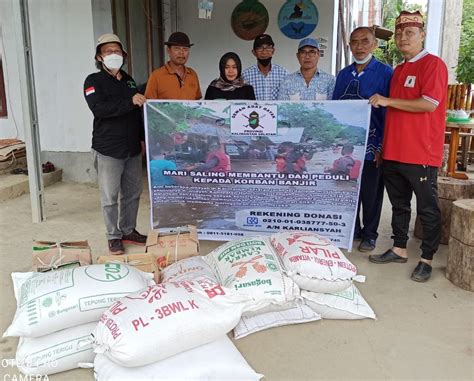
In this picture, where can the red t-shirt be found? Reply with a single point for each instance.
(417, 137)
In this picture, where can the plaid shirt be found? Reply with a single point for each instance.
(266, 87)
(294, 87)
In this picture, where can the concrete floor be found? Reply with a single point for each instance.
(423, 331)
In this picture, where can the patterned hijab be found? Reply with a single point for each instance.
(222, 82)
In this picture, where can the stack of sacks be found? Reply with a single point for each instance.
(57, 311)
(324, 275)
(167, 319)
(182, 321)
(251, 267)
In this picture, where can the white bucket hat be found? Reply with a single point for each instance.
(108, 38)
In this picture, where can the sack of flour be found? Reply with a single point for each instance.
(314, 263)
(187, 269)
(216, 361)
(49, 302)
(346, 304)
(251, 267)
(56, 352)
(298, 314)
(166, 319)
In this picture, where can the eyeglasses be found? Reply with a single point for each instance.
(108, 52)
(308, 53)
(264, 47)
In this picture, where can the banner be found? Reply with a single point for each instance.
(236, 168)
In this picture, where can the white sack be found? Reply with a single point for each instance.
(298, 314)
(56, 352)
(313, 262)
(347, 304)
(251, 267)
(49, 302)
(216, 361)
(165, 320)
(187, 269)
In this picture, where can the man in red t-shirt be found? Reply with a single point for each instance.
(413, 142)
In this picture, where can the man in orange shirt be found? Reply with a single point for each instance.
(174, 80)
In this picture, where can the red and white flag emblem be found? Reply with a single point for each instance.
(90, 90)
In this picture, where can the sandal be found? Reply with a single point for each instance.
(19, 171)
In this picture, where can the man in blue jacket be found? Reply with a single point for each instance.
(360, 80)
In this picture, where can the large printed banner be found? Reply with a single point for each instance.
(241, 168)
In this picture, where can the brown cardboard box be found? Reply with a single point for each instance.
(141, 261)
(49, 255)
(169, 245)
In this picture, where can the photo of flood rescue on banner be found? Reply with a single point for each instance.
(243, 168)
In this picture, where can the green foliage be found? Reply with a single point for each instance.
(167, 118)
(319, 124)
(465, 68)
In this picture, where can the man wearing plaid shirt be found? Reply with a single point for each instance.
(265, 77)
(309, 83)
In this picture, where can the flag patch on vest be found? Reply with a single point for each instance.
(90, 90)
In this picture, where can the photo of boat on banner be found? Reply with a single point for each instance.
(240, 168)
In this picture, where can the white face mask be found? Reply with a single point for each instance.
(363, 61)
(113, 61)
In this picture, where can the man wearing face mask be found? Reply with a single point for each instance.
(174, 80)
(265, 77)
(360, 80)
(117, 140)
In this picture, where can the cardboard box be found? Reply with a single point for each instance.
(169, 245)
(141, 261)
(49, 255)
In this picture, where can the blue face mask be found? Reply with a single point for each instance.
(363, 61)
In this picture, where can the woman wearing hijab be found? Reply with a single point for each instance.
(230, 85)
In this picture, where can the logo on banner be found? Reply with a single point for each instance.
(252, 221)
(253, 120)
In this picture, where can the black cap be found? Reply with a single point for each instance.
(178, 39)
(263, 39)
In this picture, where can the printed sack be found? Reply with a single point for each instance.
(314, 263)
(251, 267)
(49, 302)
(166, 319)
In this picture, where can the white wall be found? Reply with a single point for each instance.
(12, 125)
(102, 17)
(434, 26)
(63, 54)
(215, 37)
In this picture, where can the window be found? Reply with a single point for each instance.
(3, 99)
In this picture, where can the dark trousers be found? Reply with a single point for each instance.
(370, 199)
(401, 180)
